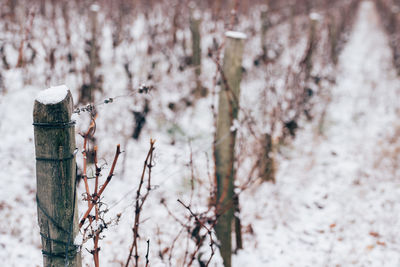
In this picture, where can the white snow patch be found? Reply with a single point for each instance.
(236, 35)
(235, 125)
(315, 16)
(196, 15)
(78, 241)
(95, 8)
(138, 27)
(53, 95)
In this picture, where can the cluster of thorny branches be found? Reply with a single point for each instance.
(198, 227)
(139, 202)
(92, 224)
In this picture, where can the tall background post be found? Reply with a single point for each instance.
(306, 63)
(56, 177)
(195, 22)
(228, 108)
(265, 24)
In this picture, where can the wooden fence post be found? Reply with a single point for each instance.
(265, 24)
(93, 53)
(311, 46)
(87, 91)
(267, 161)
(55, 177)
(224, 150)
(195, 22)
(196, 49)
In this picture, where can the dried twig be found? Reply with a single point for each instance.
(96, 223)
(140, 202)
(95, 198)
(200, 240)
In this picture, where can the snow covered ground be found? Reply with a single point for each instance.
(331, 206)
(335, 202)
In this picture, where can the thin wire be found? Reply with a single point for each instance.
(146, 89)
(143, 89)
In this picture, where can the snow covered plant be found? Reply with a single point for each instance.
(92, 225)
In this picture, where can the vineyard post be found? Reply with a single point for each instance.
(54, 134)
(224, 151)
(265, 24)
(195, 22)
(87, 91)
(93, 53)
(311, 46)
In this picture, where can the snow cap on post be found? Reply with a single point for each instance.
(53, 105)
(235, 35)
(315, 16)
(94, 8)
(53, 95)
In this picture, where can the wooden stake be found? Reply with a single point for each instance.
(55, 178)
(225, 148)
(195, 22)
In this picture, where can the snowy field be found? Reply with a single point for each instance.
(336, 201)
(336, 197)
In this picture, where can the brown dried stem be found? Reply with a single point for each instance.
(96, 236)
(86, 137)
(140, 202)
(203, 237)
(95, 198)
